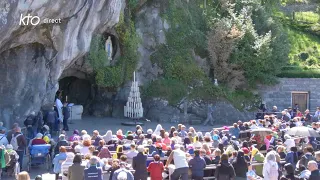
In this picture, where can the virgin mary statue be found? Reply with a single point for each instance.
(108, 48)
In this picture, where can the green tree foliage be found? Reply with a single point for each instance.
(258, 53)
(114, 76)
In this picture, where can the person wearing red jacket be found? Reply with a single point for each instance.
(156, 168)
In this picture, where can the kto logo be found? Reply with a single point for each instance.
(25, 20)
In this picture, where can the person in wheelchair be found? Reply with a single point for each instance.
(37, 140)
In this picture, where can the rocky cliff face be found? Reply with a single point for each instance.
(33, 57)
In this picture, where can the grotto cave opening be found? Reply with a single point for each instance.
(77, 91)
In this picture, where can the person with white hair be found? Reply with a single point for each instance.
(180, 162)
(107, 137)
(139, 165)
(289, 142)
(157, 130)
(122, 173)
(37, 140)
(270, 167)
(149, 133)
(314, 169)
(93, 172)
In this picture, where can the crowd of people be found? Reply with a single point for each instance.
(179, 152)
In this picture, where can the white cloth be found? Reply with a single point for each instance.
(157, 130)
(108, 136)
(289, 143)
(59, 106)
(267, 173)
(84, 150)
(3, 140)
(131, 154)
(180, 160)
(197, 144)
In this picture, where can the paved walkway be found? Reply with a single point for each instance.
(102, 125)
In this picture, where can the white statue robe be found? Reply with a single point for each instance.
(59, 106)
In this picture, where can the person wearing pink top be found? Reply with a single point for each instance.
(166, 139)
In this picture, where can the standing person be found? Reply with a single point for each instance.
(270, 167)
(30, 123)
(93, 172)
(76, 170)
(66, 116)
(180, 162)
(19, 144)
(197, 164)
(52, 117)
(209, 115)
(240, 166)
(225, 170)
(316, 116)
(3, 139)
(59, 106)
(57, 161)
(39, 121)
(156, 168)
(139, 165)
(12, 131)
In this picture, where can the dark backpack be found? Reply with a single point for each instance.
(13, 160)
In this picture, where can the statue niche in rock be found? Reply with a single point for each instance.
(108, 48)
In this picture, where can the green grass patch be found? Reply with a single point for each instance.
(308, 17)
(300, 73)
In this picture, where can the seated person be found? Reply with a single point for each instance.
(37, 140)
(62, 142)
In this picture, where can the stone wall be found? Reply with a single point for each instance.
(280, 94)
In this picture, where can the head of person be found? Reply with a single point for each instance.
(312, 165)
(191, 129)
(133, 147)
(149, 131)
(179, 126)
(289, 169)
(122, 176)
(139, 132)
(224, 157)
(308, 149)
(130, 137)
(235, 125)
(183, 127)
(38, 177)
(317, 156)
(123, 158)
(93, 161)
(23, 176)
(274, 107)
(177, 146)
(84, 132)
(175, 133)
(271, 156)
(62, 149)
(77, 159)
(87, 143)
(156, 157)
(307, 111)
(18, 129)
(62, 137)
(101, 143)
(159, 139)
(196, 152)
(217, 152)
(95, 133)
(172, 129)
(280, 149)
(140, 149)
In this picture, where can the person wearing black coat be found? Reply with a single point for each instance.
(225, 170)
(139, 165)
(240, 165)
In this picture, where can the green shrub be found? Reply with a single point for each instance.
(310, 73)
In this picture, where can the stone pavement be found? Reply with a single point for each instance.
(103, 125)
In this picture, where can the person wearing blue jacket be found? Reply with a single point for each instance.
(236, 131)
(197, 164)
(58, 159)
